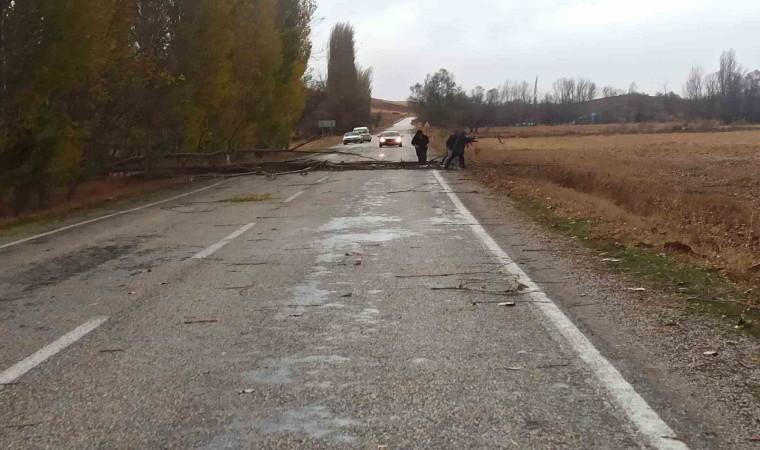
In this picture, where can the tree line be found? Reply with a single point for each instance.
(83, 82)
(346, 95)
(731, 95)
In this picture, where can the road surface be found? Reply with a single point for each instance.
(366, 309)
(371, 151)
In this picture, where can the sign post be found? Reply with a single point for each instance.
(327, 125)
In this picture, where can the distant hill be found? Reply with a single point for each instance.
(390, 106)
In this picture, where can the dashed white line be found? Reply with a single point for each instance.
(97, 219)
(19, 369)
(293, 197)
(322, 180)
(211, 250)
(647, 421)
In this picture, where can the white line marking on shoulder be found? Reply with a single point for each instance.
(294, 196)
(98, 219)
(648, 422)
(322, 180)
(19, 369)
(211, 250)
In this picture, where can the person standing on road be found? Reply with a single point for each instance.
(421, 143)
(461, 142)
(450, 142)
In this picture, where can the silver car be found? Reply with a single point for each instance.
(352, 137)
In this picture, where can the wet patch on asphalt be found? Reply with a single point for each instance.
(70, 265)
(314, 421)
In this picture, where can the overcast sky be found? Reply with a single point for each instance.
(485, 42)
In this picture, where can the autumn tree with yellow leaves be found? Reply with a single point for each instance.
(85, 82)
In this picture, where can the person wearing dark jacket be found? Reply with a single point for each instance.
(450, 146)
(461, 142)
(421, 143)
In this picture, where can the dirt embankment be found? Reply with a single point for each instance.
(695, 193)
(88, 194)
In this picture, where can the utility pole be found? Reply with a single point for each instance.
(535, 101)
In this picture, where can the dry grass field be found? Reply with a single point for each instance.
(697, 193)
(701, 126)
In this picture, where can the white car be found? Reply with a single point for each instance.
(352, 137)
(364, 131)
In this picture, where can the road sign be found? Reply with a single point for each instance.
(327, 125)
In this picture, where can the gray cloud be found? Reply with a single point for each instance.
(485, 42)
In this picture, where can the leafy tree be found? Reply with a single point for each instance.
(439, 100)
(349, 88)
(53, 52)
(294, 27)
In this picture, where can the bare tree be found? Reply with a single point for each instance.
(712, 86)
(493, 96)
(564, 90)
(585, 90)
(694, 89)
(506, 92)
(752, 94)
(611, 91)
(521, 92)
(730, 80)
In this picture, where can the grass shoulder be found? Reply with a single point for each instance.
(698, 289)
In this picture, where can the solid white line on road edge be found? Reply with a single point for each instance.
(211, 250)
(293, 197)
(22, 367)
(322, 180)
(639, 412)
(97, 219)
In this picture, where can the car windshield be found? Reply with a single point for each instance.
(352, 133)
(361, 130)
(390, 134)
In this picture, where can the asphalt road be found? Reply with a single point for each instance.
(371, 151)
(352, 309)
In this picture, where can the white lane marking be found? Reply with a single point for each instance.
(97, 219)
(19, 369)
(211, 250)
(293, 197)
(639, 412)
(323, 179)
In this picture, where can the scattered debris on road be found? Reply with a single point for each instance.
(249, 198)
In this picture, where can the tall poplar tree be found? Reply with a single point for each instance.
(53, 53)
(84, 83)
